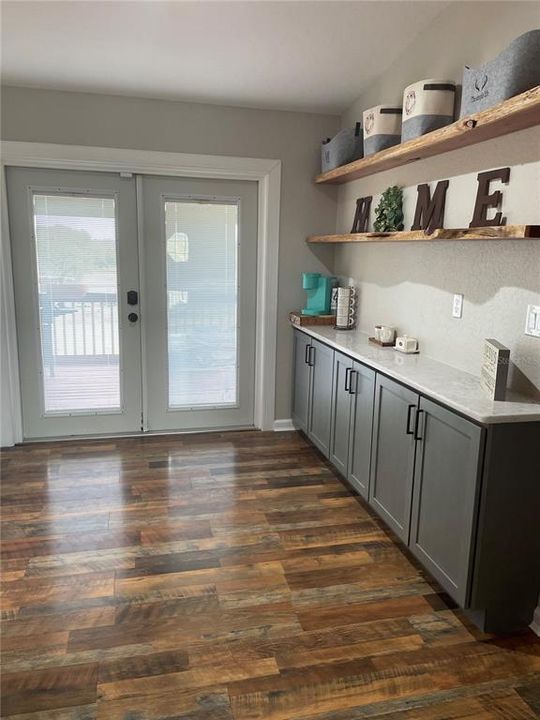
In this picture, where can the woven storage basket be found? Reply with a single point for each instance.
(427, 105)
(382, 128)
(514, 70)
(343, 148)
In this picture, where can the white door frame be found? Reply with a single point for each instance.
(267, 173)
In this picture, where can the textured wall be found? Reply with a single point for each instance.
(411, 285)
(293, 138)
(465, 33)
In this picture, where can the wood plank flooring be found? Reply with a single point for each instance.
(228, 576)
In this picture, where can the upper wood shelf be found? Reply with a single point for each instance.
(517, 113)
(495, 232)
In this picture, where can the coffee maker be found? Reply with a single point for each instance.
(319, 293)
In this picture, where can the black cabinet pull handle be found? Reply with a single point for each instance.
(348, 379)
(311, 359)
(409, 412)
(417, 425)
(306, 355)
(353, 388)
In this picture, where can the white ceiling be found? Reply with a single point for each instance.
(314, 56)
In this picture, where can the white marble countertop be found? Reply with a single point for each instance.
(455, 388)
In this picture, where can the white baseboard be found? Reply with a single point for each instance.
(281, 425)
(535, 625)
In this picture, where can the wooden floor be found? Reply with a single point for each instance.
(227, 576)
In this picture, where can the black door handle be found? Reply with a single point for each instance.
(306, 355)
(353, 388)
(132, 297)
(409, 411)
(348, 379)
(311, 359)
(417, 425)
(133, 317)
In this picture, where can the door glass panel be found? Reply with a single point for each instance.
(75, 240)
(202, 294)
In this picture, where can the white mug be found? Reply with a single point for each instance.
(387, 334)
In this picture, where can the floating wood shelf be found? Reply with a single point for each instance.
(517, 113)
(495, 232)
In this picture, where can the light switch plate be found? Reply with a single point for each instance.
(457, 306)
(532, 323)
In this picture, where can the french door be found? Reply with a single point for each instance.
(200, 259)
(75, 259)
(135, 301)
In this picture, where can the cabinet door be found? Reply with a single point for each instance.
(320, 410)
(361, 426)
(301, 380)
(341, 412)
(392, 459)
(445, 487)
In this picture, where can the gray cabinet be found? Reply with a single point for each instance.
(312, 389)
(321, 360)
(352, 421)
(301, 381)
(362, 384)
(506, 579)
(341, 413)
(445, 484)
(465, 498)
(392, 454)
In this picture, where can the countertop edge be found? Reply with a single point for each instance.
(533, 416)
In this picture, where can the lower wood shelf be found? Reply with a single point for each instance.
(495, 232)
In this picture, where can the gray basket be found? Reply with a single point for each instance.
(515, 70)
(427, 105)
(343, 148)
(382, 128)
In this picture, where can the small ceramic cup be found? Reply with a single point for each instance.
(378, 332)
(387, 334)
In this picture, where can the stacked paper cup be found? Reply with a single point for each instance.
(346, 308)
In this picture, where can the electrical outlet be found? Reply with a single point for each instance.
(532, 323)
(457, 306)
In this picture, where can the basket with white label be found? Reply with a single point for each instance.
(427, 105)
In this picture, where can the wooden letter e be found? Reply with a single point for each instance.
(485, 201)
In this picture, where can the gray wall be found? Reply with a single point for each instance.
(411, 286)
(293, 138)
(464, 33)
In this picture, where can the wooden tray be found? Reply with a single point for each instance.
(380, 343)
(300, 320)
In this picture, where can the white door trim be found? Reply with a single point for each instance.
(266, 172)
(10, 393)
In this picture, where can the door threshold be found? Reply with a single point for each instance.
(149, 433)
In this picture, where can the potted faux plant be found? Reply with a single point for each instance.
(389, 211)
